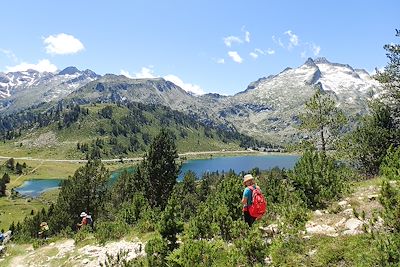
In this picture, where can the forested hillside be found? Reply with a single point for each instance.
(112, 130)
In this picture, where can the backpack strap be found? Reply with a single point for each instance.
(252, 188)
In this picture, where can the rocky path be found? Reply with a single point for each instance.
(65, 253)
(347, 216)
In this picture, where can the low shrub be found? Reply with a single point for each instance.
(106, 231)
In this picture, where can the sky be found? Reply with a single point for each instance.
(207, 46)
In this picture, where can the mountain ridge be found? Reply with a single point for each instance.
(267, 108)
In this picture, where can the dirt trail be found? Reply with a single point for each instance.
(25, 174)
(66, 253)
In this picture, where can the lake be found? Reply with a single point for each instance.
(33, 188)
(238, 164)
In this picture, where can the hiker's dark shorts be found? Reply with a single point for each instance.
(248, 219)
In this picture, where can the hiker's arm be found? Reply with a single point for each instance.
(244, 200)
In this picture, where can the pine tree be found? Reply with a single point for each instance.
(86, 191)
(390, 79)
(170, 226)
(160, 169)
(6, 178)
(323, 119)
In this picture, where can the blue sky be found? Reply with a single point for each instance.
(204, 46)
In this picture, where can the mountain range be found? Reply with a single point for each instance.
(268, 108)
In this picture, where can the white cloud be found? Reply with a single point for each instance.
(221, 61)
(9, 54)
(148, 73)
(188, 87)
(145, 73)
(42, 66)
(303, 54)
(247, 37)
(315, 49)
(293, 39)
(270, 51)
(62, 44)
(278, 41)
(235, 56)
(253, 55)
(232, 39)
(258, 50)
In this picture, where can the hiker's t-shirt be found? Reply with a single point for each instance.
(248, 194)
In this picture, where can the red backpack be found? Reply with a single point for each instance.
(259, 204)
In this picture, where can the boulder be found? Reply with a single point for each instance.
(323, 229)
(353, 224)
(340, 223)
(342, 203)
(352, 232)
(318, 213)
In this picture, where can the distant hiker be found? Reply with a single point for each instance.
(89, 220)
(44, 230)
(1, 236)
(84, 220)
(254, 203)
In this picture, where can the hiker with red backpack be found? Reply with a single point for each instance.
(254, 203)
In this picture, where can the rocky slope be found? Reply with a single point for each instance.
(271, 105)
(22, 89)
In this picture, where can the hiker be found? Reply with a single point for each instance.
(44, 229)
(252, 192)
(84, 220)
(1, 236)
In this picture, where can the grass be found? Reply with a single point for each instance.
(17, 209)
(321, 251)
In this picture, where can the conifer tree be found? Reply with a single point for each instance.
(390, 79)
(6, 178)
(323, 119)
(86, 191)
(160, 169)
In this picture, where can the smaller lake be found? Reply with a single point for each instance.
(33, 188)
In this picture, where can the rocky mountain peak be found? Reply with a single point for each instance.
(69, 71)
(310, 62)
(321, 60)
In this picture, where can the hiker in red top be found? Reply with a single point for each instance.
(254, 203)
(84, 220)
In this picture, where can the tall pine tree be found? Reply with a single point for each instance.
(160, 169)
(323, 119)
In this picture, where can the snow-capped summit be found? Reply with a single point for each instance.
(22, 88)
(271, 105)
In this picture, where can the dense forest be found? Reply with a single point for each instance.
(120, 129)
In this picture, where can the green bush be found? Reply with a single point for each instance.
(82, 234)
(318, 178)
(106, 231)
(205, 253)
(252, 246)
(156, 252)
(120, 260)
(131, 212)
(390, 167)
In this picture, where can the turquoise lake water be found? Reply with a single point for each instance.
(33, 188)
